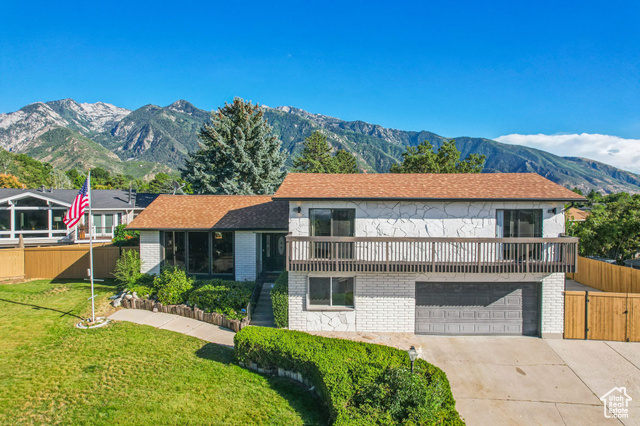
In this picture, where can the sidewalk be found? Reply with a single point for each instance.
(190, 327)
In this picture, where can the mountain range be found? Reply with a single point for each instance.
(154, 139)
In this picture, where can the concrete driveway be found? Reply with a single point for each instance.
(528, 381)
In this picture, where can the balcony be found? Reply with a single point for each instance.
(432, 255)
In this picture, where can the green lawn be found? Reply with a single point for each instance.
(53, 373)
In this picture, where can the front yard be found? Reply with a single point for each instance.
(124, 373)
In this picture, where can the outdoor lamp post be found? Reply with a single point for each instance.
(413, 355)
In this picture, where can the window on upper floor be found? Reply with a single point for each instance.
(519, 223)
(332, 223)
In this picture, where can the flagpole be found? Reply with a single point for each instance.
(93, 308)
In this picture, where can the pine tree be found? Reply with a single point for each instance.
(345, 162)
(423, 159)
(238, 153)
(315, 156)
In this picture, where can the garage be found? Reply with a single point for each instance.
(477, 308)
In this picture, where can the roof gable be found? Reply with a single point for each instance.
(425, 186)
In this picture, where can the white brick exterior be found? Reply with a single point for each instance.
(553, 306)
(386, 302)
(150, 252)
(246, 252)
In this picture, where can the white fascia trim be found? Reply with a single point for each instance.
(38, 196)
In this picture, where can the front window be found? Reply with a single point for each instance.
(174, 249)
(198, 253)
(334, 291)
(57, 223)
(222, 252)
(5, 223)
(32, 220)
(30, 202)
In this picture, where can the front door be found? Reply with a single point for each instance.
(274, 248)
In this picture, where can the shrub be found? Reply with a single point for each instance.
(122, 237)
(225, 297)
(360, 382)
(172, 286)
(280, 300)
(127, 269)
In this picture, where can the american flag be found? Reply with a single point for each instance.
(78, 207)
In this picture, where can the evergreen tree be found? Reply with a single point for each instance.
(239, 154)
(315, 156)
(423, 159)
(345, 162)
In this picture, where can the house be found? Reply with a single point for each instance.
(423, 253)
(36, 214)
(574, 214)
(229, 236)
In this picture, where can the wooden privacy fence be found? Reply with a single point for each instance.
(602, 316)
(11, 264)
(606, 277)
(62, 262)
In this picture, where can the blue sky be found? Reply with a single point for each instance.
(455, 68)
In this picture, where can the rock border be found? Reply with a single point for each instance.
(184, 311)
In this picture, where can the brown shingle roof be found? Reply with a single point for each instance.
(213, 212)
(484, 186)
(576, 215)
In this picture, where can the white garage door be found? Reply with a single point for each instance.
(477, 308)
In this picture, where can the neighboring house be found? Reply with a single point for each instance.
(229, 236)
(36, 214)
(576, 215)
(425, 253)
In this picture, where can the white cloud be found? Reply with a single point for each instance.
(619, 152)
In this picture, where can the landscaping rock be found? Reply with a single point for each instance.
(116, 302)
(128, 297)
(135, 295)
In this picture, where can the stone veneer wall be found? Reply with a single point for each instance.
(426, 219)
(150, 252)
(245, 253)
(386, 302)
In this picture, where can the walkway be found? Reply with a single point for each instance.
(190, 327)
(263, 315)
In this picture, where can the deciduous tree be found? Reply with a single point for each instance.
(423, 159)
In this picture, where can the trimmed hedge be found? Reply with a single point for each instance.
(280, 300)
(361, 383)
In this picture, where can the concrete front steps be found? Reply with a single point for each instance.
(263, 314)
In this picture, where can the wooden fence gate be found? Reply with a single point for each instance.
(602, 316)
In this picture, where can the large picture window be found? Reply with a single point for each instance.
(334, 291)
(199, 252)
(32, 220)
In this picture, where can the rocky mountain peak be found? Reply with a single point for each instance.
(183, 106)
